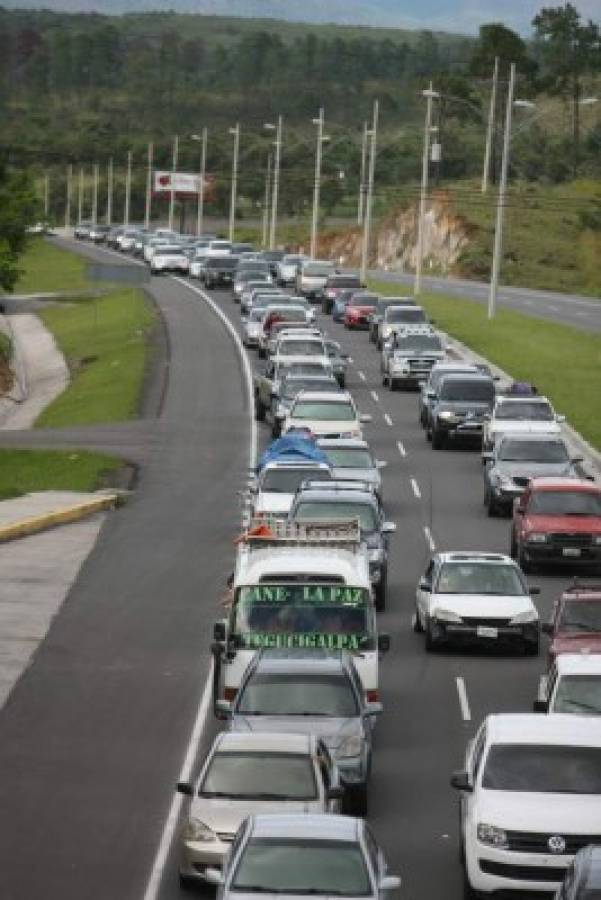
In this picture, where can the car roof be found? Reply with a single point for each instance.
(519, 398)
(564, 483)
(306, 826)
(343, 443)
(347, 491)
(263, 742)
(324, 396)
(579, 663)
(531, 437)
(467, 376)
(295, 464)
(475, 556)
(579, 591)
(532, 728)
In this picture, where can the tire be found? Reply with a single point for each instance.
(259, 410)
(276, 428)
(492, 509)
(523, 563)
(431, 644)
(342, 381)
(531, 649)
(356, 801)
(380, 595)
(261, 353)
(513, 550)
(417, 625)
(393, 385)
(437, 438)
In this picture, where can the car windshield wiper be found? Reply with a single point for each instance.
(283, 797)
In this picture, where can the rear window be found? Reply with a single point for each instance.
(404, 314)
(363, 300)
(530, 411)
(343, 281)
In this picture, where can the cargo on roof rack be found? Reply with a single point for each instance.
(327, 532)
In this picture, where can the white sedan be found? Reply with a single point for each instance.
(170, 258)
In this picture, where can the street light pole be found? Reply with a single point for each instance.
(276, 182)
(266, 211)
(430, 94)
(173, 172)
(498, 244)
(236, 132)
(201, 184)
(147, 209)
(373, 133)
(80, 197)
(127, 190)
(68, 198)
(109, 193)
(490, 127)
(95, 194)
(317, 183)
(46, 196)
(361, 206)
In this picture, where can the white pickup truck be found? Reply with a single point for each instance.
(299, 586)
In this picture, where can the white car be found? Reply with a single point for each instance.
(287, 268)
(572, 685)
(480, 597)
(170, 258)
(530, 799)
(247, 773)
(326, 415)
(219, 247)
(520, 415)
(277, 484)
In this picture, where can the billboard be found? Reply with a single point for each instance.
(182, 183)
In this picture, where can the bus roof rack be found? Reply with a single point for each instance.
(266, 532)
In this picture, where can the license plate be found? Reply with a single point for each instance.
(484, 632)
(571, 551)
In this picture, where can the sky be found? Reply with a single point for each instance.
(466, 16)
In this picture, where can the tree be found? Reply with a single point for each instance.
(18, 210)
(495, 40)
(569, 51)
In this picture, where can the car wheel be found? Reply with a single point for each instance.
(491, 506)
(416, 623)
(186, 883)
(342, 381)
(259, 410)
(261, 352)
(437, 438)
(531, 648)
(276, 428)
(356, 802)
(380, 596)
(431, 642)
(393, 385)
(523, 563)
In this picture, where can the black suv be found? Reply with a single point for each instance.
(459, 408)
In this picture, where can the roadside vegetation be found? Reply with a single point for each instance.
(563, 363)
(46, 268)
(26, 471)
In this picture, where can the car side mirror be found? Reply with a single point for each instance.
(388, 527)
(335, 793)
(430, 395)
(540, 706)
(577, 459)
(534, 590)
(383, 643)
(185, 788)
(213, 876)
(373, 709)
(223, 709)
(519, 506)
(219, 631)
(461, 781)
(424, 585)
(364, 418)
(487, 456)
(389, 883)
(560, 418)
(381, 463)
(547, 628)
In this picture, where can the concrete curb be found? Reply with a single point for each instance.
(65, 516)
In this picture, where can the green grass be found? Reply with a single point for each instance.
(47, 268)
(25, 471)
(5, 347)
(564, 363)
(105, 343)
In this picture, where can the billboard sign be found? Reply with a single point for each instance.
(180, 183)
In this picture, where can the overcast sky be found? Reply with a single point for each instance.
(467, 15)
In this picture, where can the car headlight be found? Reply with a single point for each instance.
(597, 539)
(447, 415)
(491, 835)
(350, 746)
(195, 830)
(504, 481)
(537, 537)
(528, 615)
(446, 615)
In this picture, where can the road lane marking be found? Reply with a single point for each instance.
(429, 538)
(463, 701)
(401, 447)
(387, 419)
(554, 308)
(416, 490)
(361, 375)
(375, 397)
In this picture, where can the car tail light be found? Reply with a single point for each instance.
(229, 694)
(372, 696)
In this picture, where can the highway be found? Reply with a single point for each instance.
(96, 732)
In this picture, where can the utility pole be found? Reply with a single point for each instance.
(80, 196)
(68, 198)
(46, 196)
(430, 94)
(372, 134)
(266, 211)
(361, 206)
(490, 127)
(317, 183)
(276, 183)
(173, 172)
(149, 164)
(234, 185)
(498, 245)
(127, 190)
(109, 193)
(201, 184)
(95, 194)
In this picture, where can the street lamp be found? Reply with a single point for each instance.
(127, 190)
(360, 208)
(430, 95)
(321, 139)
(236, 133)
(202, 138)
(372, 134)
(276, 177)
(149, 164)
(173, 173)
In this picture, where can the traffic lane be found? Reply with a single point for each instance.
(566, 309)
(94, 734)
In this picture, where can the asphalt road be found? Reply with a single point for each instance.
(93, 738)
(577, 311)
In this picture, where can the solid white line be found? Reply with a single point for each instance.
(361, 375)
(463, 701)
(387, 419)
(401, 447)
(153, 884)
(375, 397)
(429, 538)
(416, 489)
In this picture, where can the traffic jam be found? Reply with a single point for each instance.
(282, 799)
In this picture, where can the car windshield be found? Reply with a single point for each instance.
(301, 348)
(349, 458)
(307, 511)
(479, 578)
(304, 615)
(404, 314)
(292, 260)
(578, 694)
(467, 391)
(225, 262)
(418, 342)
(286, 481)
(302, 866)
(580, 615)
(533, 451)
(292, 387)
(170, 248)
(565, 503)
(264, 775)
(318, 271)
(543, 769)
(322, 411)
(298, 694)
(530, 410)
(363, 300)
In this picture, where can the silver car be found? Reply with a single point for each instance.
(352, 460)
(245, 774)
(308, 856)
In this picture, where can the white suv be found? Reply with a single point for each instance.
(520, 415)
(572, 685)
(530, 799)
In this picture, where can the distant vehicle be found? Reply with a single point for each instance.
(99, 233)
(169, 258)
(571, 685)
(273, 257)
(218, 271)
(575, 622)
(339, 360)
(526, 415)
(287, 268)
(460, 408)
(359, 308)
(352, 460)
(429, 389)
(409, 358)
(476, 597)
(290, 387)
(326, 415)
(312, 278)
(82, 230)
(378, 313)
(278, 482)
(340, 304)
(334, 286)
(558, 521)
(219, 247)
(397, 319)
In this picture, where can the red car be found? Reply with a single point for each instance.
(557, 520)
(359, 309)
(575, 625)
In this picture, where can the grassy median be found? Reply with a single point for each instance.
(564, 363)
(26, 471)
(46, 268)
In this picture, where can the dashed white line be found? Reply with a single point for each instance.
(401, 447)
(429, 538)
(375, 397)
(361, 375)
(463, 701)
(415, 488)
(554, 308)
(387, 419)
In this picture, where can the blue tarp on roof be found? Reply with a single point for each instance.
(295, 447)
